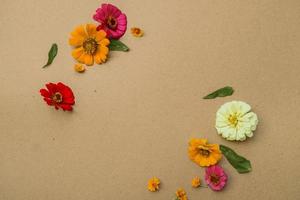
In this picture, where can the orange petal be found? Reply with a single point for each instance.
(76, 53)
(91, 29)
(99, 57)
(104, 50)
(88, 60)
(104, 42)
(100, 35)
(79, 32)
(81, 59)
(76, 41)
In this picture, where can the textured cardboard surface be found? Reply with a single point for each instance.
(135, 114)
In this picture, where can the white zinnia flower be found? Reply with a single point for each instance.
(234, 121)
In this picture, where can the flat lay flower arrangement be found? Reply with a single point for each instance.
(91, 44)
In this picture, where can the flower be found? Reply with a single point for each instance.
(111, 20)
(215, 177)
(90, 44)
(79, 68)
(153, 184)
(181, 194)
(137, 32)
(202, 153)
(234, 121)
(58, 95)
(196, 182)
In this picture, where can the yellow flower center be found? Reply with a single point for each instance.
(233, 119)
(90, 46)
(57, 97)
(214, 178)
(112, 22)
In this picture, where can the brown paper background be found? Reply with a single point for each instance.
(135, 114)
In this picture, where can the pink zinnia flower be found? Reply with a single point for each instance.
(215, 177)
(111, 20)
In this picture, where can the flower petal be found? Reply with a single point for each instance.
(104, 42)
(48, 101)
(66, 107)
(91, 29)
(79, 32)
(51, 88)
(45, 93)
(76, 42)
(88, 60)
(100, 35)
(100, 57)
(104, 50)
(76, 53)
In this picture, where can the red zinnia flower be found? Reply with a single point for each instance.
(58, 95)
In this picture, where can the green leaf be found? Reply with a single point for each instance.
(223, 92)
(117, 45)
(241, 164)
(51, 55)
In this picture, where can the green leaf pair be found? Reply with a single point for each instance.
(223, 92)
(241, 164)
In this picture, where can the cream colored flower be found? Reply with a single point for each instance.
(234, 121)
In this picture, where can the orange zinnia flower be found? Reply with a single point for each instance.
(204, 154)
(181, 194)
(90, 44)
(153, 184)
(137, 32)
(196, 182)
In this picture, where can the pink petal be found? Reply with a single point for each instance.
(114, 34)
(120, 33)
(102, 15)
(105, 9)
(122, 17)
(122, 28)
(111, 9)
(114, 11)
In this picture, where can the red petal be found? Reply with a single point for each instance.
(65, 90)
(66, 107)
(45, 93)
(69, 101)
(51, 87)
(49, 101)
